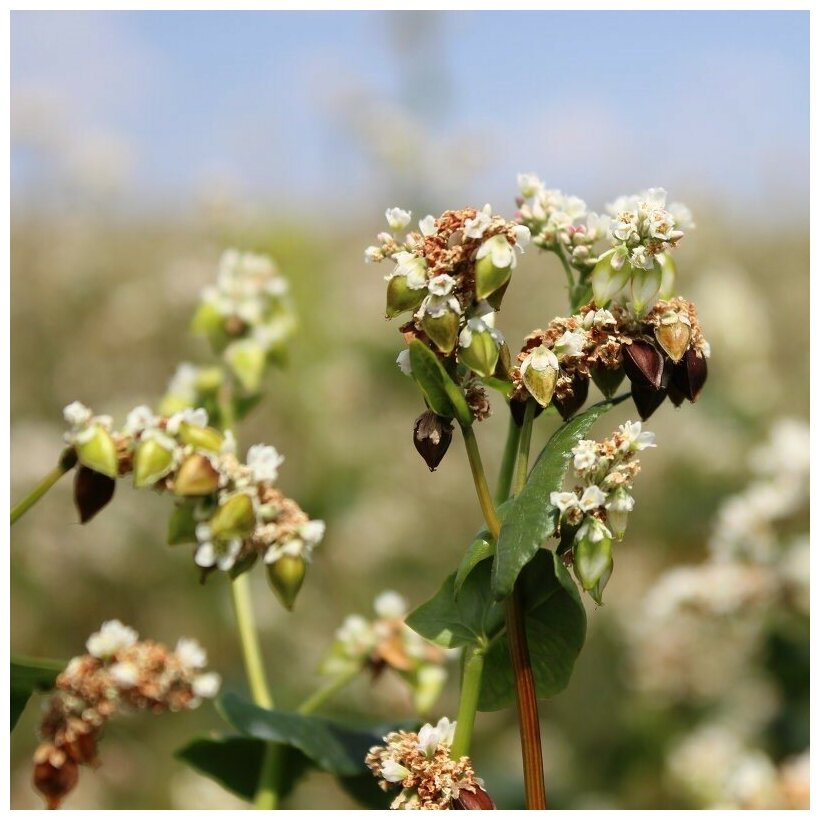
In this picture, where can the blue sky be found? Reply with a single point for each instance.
(319, 109)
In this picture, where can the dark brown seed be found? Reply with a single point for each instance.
(473, 801)
(55, 783)
(432, 436)
(572, 402)
(607, 379)
(647, 400)
(517, 408)
(675, 396)
(92, 491)
(689, 374)
(643, 364)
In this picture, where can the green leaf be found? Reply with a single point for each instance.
(532, 518)
(182, 525)
(27, 676)
(502, 386)
(481, 548)
(472, 617)
(443, 395)
(235, 763)
(555, 622)
(332, 746)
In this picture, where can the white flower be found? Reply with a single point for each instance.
(125, 674)
(207, 685)
(403, 361)
(474, 228)
(427, 226)
(77, 414)
(140, 418)
(563, 501)
(570, 344)
(593, 530)
(112, 637)
(634, 439)
(191, 654)
(412, 267)
(209, 552)
(625, 226)
(264, 461)
(390, 605)
(539, 360)
(397, 218)
(228, 446)
(312, 532)
(195, 417)
(356, 635)
(522, 236)
(431, 736)
(393, 772)
(529, 185)
(373, 253)
(682, 216)
(500, 251)
(642, 258)
(592, 498)
(585, 455)
(441, 285)
(183, 383)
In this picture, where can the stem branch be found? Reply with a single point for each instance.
(502, 490)
(480, 480)
(468, 705)
(67, 460)
(312, 703)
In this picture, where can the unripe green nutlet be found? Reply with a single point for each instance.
(196, 476)
(97, 450)
(645, 287)
(246, 359)
(234, 519)
(286, 576)
(494, 264)
(442, 329)
(539, 372)
(608, 277)
(478, 349)
(401, 297)
(592, 559)
(203, 438)
(152, 461)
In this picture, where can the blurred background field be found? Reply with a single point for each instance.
(144, 144)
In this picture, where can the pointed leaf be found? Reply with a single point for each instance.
(532, 518)
(443, 395)
(27, 676)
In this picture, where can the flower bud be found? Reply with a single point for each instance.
(196, 476)
(495, 261)
(643, 364)
(233, 519)
(592, 555)
(402, 295)
(647, 400)
(539, 372)
(92, 491)
(573, 400)
(645, 287)
(203, 438)
(673, 334)
(97, 450)
(689, 375)
(152, 461)
(478, 348)
(246, 359)
(607, 379)
(473, 800)
(431, 437)
(442, 329)
(608, 277)
(286, 576)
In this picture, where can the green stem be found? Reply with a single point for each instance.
(267, 791)
(559, 252)
(468, 705)
(526, 698)
(502, 490)
(312, 703)
(67, 460)
(485, 500)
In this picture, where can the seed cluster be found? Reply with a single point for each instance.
(119, 674)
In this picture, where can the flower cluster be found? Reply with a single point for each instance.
(452, 274)
(247, 315)
(624, 256)
(387, 642)
(420, 763)
(596, 511)
(229, 508)
(119, 674)
(663, 354)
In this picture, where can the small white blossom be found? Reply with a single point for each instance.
(397, 218)
(593, 530)
(373, 253)
(390, 605)
(427, 226)
(393, 772)
(210, 552)
(312, 532)
(539, 360)
(125, 674)
(570, 344)
(474, 228)
(563, 501)
(195, 417)
(412, 267)
(112, 637)
(431, 736)
(522, 236)
(585, 455)
(529, 185)
(77, 414)
(500, 251)
(634, 438)
(441, 285)
(140, 418)
(264, 461)
(191, 654)
(592, 498)
(206, 685)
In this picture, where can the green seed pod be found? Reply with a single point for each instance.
(286, 576)
(97, 450)
(478, 349)
(495, 261)
(592, 560)
(204, 438)
(442, 329)
(539, 372)
(234, 519)
(673, 335)
(246, 359)
(196, 476)
(607, 280)
(645, 287)
(401, 297)
(152, 461)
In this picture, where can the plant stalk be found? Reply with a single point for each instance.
(67, 460)
(267, 791)
(468, 705)
(505, 473)
(312, 703)
(485, 500)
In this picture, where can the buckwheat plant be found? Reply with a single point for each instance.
(512, 607)
(232, 515)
